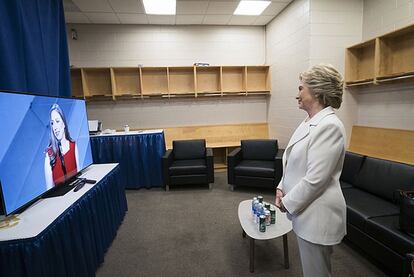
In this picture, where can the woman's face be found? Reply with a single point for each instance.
(306, 99)
(57, 125)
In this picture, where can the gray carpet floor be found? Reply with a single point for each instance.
(193, 231)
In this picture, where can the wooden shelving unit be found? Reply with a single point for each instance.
(119, 83)
(258, 79)
(387, 58)
(181, 80)
(125, 82)
(208, 79)
(233, 79)
(154, 81)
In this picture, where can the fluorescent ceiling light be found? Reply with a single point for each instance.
(159, 6)
(251, 7)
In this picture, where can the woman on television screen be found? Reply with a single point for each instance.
(61, 159)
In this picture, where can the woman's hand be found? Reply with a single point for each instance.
(278, 202)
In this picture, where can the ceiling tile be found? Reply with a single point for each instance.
(161, 19)
(216, 19)
(76, 17)
(192, 7)
(263, 20)
(132, 18)
(242, 20)
(189, 19)
(274, 8)
(209, 0)
(93, 5)
(69, 6)
(221, 7)
(127, 6)
(103, 18)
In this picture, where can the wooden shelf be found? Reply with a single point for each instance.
(360, 62)
(101, 97)
(123, 83)
(76, 82)
(181, 80)
(220, 166)
(396, 53)
(233, 78)
(258, 78)
(154, 80)
(208, 79)
(126, 82)
(360, 83)
(96, 81)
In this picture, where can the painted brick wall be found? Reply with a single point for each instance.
(287, 51)
(336, 24)
(308, 32)
(387, 106)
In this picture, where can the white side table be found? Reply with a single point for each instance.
(249, 227)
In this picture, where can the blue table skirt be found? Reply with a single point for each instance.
(75, 243)
(139, 157)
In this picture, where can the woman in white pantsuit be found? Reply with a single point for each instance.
(309, 190)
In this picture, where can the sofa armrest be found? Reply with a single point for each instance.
(210, 165)
(278, 166)
(233, 159)
(167, 160)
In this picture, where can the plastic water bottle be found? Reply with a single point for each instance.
(253, 203)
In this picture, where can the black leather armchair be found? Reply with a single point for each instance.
(257, 163)
(189, 162)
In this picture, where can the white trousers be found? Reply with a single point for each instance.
(315, 258)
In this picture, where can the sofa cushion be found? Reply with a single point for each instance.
(352, 165)
(385, 229)
(345, 185)
(189, 149)
(259, 149)
(255, 168)
(188, 167)
(362, 205)
(383, 177)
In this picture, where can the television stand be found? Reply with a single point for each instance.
(58, 191)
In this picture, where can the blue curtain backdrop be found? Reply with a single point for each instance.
(33, 48)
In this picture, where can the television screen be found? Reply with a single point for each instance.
(44, 142)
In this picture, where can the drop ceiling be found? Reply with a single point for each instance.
(188, 12)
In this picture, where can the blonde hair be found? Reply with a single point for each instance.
(326, 83)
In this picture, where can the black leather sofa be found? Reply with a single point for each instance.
(189, 162)
(257, 163)
(370, 189)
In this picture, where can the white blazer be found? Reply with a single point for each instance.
(312, 164)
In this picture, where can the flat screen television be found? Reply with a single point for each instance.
(44, 143)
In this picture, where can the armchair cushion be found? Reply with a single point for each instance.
(188, 167)
(189, 149)
(255, 168)
(259, 149)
